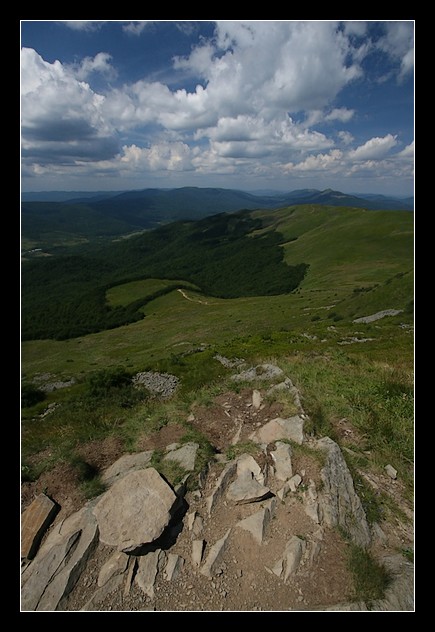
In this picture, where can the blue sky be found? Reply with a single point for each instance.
(116, 105)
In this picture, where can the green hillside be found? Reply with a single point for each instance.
(357, 263)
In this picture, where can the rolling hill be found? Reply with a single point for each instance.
(47, 223)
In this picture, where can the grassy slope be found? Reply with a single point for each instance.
(346, 249)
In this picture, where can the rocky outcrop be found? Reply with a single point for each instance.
(135, 510)
(339, 504)
(34, 523)
(262, 502)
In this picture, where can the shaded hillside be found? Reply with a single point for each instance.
(65, 296)
(102, 214)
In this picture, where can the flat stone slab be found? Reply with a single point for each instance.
(221, 485)
(246, 462)
(115, 565)
(278, 429)
(283, 461)
(185, 456)
(135, 510)
(35, 520)
(245, 489)
(213, 561)
(148, 567)
(125, 464)
(173, 567)
(256, 524)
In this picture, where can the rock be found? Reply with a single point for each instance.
(283, 462)
(256, 399)
(214, 559)
(221, 484)
(184, 456)
(160, 384)
(246, 462)
(148, 567)
(399, 595)
(278, 429)
(173, 567)
(114, 583)
(125, 464)
(294, 482)
(256, 524)
(132, 566)
(378, 315)
(245, 489)
(311, 504)
(263, 372)
(392, 473)
(58, 564)
(339, 503)
(115, 565)
(197, 551)
(35, 520)
(291, 558)
(135, 510)
(282, 386)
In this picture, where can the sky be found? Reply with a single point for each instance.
(282, 105)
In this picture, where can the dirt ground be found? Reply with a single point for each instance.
(246, 582)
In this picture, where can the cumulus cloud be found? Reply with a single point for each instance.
(163, 156)
(398, 42)
(135, 28)
(374, 148)
(61, 116)
(345, 137)
(98, 64)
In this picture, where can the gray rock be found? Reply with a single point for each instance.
(114, 583)
(256, 399)
(125, 464)
(221, 485)
(115, 565)
(197, 551)
(278, 429)
(135, 510)
(378, 315)
(56, 568)
(245, 489)
(294, 482)
(283, 462)
(256, 524)
(35, 520)
(281, 386)
(173, 567)
(246, 462)
(399, 596)
(311, 504)
(160, 384)
(263, 372)
(148, 567)
(392, 473)
(339, 503)
(292, 556)
(212, 564)
(184, 456)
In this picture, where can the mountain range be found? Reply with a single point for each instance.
(48, 218)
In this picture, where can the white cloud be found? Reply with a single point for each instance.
(374, 148)
(99, 64)
(320, 162)
(84, 25)
(340, 114)
(135, 28)
(163, 156)
(408, 152)
(398, 42)
(345, 137)
(61, 117)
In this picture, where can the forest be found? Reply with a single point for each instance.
(225, 255)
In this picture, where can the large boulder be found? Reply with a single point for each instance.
(339, 503)
(135, 510)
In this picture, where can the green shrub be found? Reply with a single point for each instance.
(31, 395)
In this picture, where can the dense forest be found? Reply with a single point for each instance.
(224, 255)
